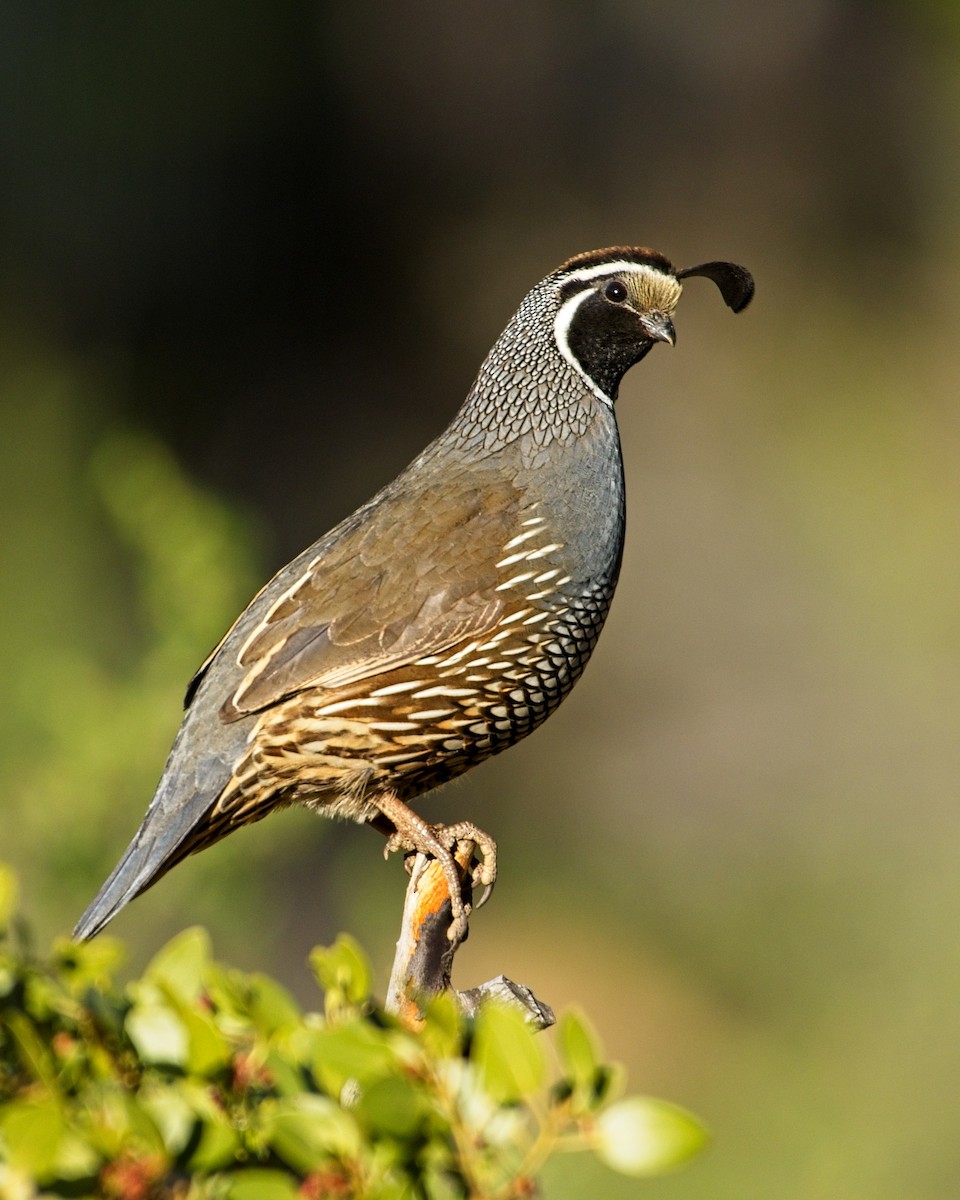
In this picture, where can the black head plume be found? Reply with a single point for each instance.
(735, 282)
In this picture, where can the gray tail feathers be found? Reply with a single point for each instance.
(171, 830)
(132, 875)
(178, 821)
(176, 824)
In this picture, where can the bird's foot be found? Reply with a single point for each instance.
(413, 835)
(485, 869)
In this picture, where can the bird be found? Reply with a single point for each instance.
(447, 617)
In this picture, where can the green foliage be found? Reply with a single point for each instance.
(197, 1080)
(120, 574)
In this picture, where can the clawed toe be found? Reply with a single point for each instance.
(484, 872)
(414, 836)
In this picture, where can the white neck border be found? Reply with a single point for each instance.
(568, 310)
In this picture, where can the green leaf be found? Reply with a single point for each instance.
(32, 1051)
(9, 896)
(86, 964)
(216, 1148)
(8, 978)
(43, 998)
(642, 1136)
(443, 1027)
(172, 1114)
(507, 1054)
(258, 1184)
(116, 1122)
(306, 1130)
(207, 1051)
(342, 970)
(394, 1107)
(181, 964)
(31, 1131)
(271, 1005)
(355, 1051)
(158, 1034)
(579, 1048)
(76, 1158)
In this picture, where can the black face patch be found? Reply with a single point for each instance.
(606, 339)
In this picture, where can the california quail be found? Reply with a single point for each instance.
(447, 617)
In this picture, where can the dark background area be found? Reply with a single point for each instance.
(250, 259)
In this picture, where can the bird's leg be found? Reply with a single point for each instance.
(412, 833)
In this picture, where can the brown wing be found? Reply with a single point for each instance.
(414, 577)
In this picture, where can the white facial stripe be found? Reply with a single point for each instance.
(613, 268)
(568, 310)
(561, 330)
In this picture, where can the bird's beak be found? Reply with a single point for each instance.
(659, 328)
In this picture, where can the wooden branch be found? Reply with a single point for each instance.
(423, 963)
(424, 959)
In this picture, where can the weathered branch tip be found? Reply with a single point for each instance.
(423, 964)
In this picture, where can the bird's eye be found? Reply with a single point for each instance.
(615, 291)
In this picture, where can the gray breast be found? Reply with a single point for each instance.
(564, 562)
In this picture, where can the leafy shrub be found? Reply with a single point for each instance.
(197, 1080)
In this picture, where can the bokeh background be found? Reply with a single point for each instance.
(250, 258)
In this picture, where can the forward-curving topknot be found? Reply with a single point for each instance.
(735, 282)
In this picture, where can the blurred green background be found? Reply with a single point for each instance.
(250, 259)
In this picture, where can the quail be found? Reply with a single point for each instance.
(448, 616)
